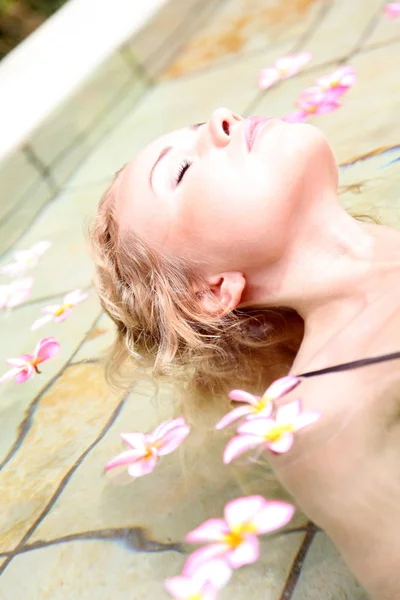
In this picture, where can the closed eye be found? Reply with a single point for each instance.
(183, 167)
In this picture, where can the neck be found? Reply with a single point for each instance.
(338, 273)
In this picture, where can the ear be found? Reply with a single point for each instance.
(227, 289)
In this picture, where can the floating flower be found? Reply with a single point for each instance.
(25, 259)
(284, 68)
(234, 539)
(392, 10)
(258, 406)
(275, 434)
(27, 364)
(339, 81)
(202, 584)
(313, 101)
(16, 292)
(60, 312)
(148, 448)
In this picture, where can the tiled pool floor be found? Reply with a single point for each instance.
(66, 530)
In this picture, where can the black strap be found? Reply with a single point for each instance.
(352, 365)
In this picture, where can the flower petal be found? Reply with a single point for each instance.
(21, 362)
(305, 419)
(283, 444)
(256, 427)
(125, 458)
(246, 553)
(42, 321)
(242, 510)
(135, 440)
(232, 416)
(392, 10)
(323, 109)
(9, 375)
(267, 77)
(181, 588)
(143, 466)
(238, 445)
(24, 374)
(212, 530)
(64, 315)
(75, 297)
(46, 348)
(204, 555)
(299, 116)
(242, 396)
(216, 571)
(273, 515)
(281, 386)
(288, 413)
(165, 427)
(172, 440)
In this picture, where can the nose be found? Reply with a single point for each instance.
(220, 126)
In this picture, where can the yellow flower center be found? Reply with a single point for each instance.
(62, 309)
(311, 109)
(261, 405)
(35, 363)
(275, 433)
(196, 596)
(237, 535)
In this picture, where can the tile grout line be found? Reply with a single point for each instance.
(294, 574)
(295, 48)
(369, 29)
(25, 424)
(39, 165)
(65, 481)
(109, 534)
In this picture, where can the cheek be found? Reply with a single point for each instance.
(237, 210)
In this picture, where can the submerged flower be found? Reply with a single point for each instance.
(234, 538)
(339, 81)
(147, 448)
(275, 434)
(60, 312)
(392, 10)
(15, 292)
(201, 584)
(284, 68)
(258, 406)
(27, 364)
(25, 259)
(313, 101)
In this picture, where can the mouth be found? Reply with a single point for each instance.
(251, 128)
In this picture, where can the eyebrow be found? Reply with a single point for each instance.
(165, 151)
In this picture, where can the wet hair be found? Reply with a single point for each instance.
(163, 332)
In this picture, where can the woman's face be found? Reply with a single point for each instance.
(227, 192)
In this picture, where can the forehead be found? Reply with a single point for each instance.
(136, 204)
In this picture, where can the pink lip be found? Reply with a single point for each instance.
(251, 127)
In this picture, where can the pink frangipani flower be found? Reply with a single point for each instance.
(392, 10)
(234, 538)
(339, 81)
(15, 292)
(147, 448)
(25, 259)
(313, 101)
(284, 68)
(258, 406)
(60, 312)
(201, 584)
(275, 434)
(27, 365)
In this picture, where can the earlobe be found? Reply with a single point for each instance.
(226, 289)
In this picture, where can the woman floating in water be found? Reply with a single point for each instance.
(226, 260)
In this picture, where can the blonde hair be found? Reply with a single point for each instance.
(163, 331)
